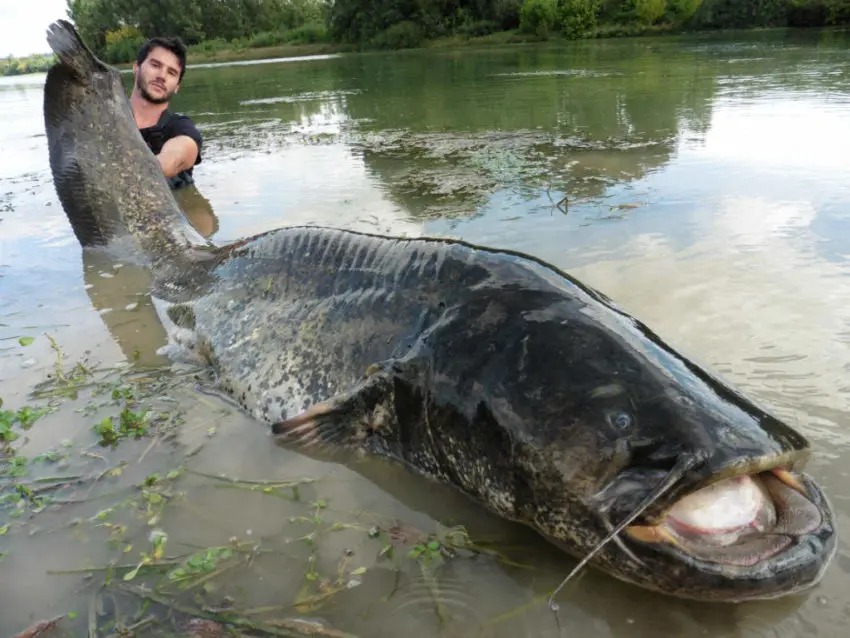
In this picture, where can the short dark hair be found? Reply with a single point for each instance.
(175, 45)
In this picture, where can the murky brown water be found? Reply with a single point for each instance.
(707, 183)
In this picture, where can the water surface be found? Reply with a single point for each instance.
(702, 183)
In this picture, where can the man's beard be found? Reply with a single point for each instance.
(150, 98)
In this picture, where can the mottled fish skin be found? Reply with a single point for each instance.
(490, 371)
(328, 304)
(486, 369)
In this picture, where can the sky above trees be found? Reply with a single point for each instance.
(24, 25)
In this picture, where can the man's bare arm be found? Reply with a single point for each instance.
(177, 154)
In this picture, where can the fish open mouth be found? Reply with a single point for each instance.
(739, 521)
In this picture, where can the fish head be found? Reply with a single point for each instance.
(678, 482)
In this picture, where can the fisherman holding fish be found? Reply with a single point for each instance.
(173, 138)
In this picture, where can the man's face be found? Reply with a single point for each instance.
(158, 78)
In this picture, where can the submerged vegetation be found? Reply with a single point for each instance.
(157, 580)
(232, 28)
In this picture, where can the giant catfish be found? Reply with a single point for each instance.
(486, 369)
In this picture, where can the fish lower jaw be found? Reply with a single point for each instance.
(738, 522)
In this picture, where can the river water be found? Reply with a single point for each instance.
(701, 182)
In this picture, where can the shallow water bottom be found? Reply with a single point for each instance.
(699, 183)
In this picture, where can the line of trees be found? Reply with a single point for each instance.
(36, 63)
(116, 28)
(403, 22)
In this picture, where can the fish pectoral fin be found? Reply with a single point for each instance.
(346, 419)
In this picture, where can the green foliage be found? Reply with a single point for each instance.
(681, 10)
(809, 13)
(478, 28)
(370, 21)
(579, 17)
(23, 418)
(740, 14)
(122, 44)
(311, 33)
(649, 11)
(805, 13)
(837, 11)
(505, 13)
(116, 26)
(20, 66)
(539, 17)
(402, 35)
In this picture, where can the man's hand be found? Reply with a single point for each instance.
(177, 154)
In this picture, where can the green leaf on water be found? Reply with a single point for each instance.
(132, 574)
(25, 341)
(4, 529)
(434, 545)
(358, 571)
(72, 615)
(176, 574)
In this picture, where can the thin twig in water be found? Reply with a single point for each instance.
(46, 488)
(93, 613)
(167, 562)
(310, 628)
(40, 628)
(148, 449)
(561, 204)
(507, 615)
(58, 479)
(233, 621)
(265, 483)
(135, 626)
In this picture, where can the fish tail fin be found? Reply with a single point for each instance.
(71, 50)
(65, 97)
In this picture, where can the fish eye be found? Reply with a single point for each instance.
(620, 420)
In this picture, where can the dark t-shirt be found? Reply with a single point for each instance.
(171, 125)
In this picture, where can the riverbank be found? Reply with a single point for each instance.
(198, 55)
(499, 38)
(207, 53)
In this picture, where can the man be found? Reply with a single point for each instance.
(173, 138)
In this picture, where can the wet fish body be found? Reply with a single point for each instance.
(486, 369)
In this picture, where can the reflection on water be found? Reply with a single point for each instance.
(704, 188)
(198, 210)
(119, 292)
